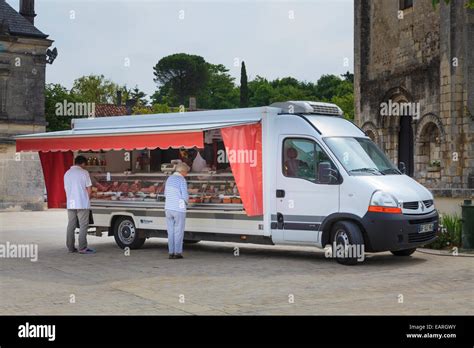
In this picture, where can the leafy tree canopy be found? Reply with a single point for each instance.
(138, 95)
(183, 74)
(469, 3)
(56, 94)
(220, 91)
(95, 89)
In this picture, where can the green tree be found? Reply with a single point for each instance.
(469, 3)
(139, 96)
(346, 103)
(125, 94)
(260, 91)
(56, 94)
(220, 91)
(185, 75)
(154, 109)
(329, 86)
(286, 81)
(164, 95)
(95, 89)
(348, 77)
(244, 88)
(288, 92)
(289, 88)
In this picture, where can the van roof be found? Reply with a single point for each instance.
(197, 119)
(334, 126)
(325, 117)
(161, 123)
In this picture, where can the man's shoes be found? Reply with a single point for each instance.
(87, 251)
(178, 256)
(73, 250)
(171, 256)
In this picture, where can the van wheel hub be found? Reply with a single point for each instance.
(342, 238)
(127, 232)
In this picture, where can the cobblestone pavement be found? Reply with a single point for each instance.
(211, 280)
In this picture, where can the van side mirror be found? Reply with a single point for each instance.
(326, 174)
(402, 167)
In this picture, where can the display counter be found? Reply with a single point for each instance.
(206, 190)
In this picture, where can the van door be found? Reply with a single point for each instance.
(303, 197)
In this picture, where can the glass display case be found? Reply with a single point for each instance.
(205, 190)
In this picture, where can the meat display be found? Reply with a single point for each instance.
(202, 189)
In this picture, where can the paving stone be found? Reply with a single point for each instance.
(214, 282)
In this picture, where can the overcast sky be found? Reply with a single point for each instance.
(303, 39)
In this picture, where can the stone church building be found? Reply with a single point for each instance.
(409, 53)
(22, 98)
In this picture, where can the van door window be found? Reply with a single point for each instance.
(301, 159)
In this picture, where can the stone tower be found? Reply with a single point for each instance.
(22, 104)
(422, 58)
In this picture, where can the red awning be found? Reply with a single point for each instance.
(112, 142)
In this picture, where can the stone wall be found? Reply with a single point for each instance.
(21, 180)
(22, 111)
(22, 80)
(426, 56)
(454, 95)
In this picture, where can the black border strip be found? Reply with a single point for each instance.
(260, 330)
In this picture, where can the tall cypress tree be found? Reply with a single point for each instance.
(244, 88)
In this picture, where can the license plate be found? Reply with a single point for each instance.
(426, 228)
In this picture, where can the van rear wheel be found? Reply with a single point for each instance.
(406, 252)
(126, 235)
(348, 239)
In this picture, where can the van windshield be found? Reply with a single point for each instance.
(360, 156)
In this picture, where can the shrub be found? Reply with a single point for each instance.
(449, 232)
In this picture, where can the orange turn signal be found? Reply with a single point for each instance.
(378, 209)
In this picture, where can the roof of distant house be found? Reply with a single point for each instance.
(102, 110)
(16, 23)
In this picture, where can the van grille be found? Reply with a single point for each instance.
(422, 221)
(428, 203)
(410, 205)
(420, 237)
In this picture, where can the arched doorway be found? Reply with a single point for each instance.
(370, 130)
(371, 135)
(405, 144)
(397, 125)
(430, 145)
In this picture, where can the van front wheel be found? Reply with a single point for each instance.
(348, 240)
(406, 252)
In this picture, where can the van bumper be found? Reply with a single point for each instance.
(397, 231)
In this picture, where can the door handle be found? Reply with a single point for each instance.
(280, 193)
(280, 221)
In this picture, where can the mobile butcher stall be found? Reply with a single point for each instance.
(293, 173)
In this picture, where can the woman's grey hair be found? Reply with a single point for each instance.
(182, 167)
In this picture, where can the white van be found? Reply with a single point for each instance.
(346, 192)
(325, 183)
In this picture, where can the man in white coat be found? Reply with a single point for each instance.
(78, 187)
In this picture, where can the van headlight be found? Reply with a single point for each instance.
(383, 202)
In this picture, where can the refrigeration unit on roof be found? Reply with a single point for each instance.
(308, 107)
